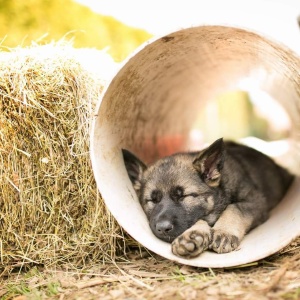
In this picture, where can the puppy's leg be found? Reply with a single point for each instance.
(193, 241)
(234, 223)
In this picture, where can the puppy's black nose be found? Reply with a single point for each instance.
(164, 227)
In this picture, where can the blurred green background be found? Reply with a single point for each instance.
(43, 21)
(234, 114)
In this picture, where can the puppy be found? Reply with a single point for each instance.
(208, 199)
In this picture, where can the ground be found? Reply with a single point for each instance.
(144, 275)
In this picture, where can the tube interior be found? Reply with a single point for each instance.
(151, 107)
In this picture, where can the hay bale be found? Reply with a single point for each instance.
(50, 209)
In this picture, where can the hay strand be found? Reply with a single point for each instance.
(50, 209)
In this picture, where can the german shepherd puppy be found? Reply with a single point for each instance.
(208, 199)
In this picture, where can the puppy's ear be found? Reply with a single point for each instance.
(210, 162)
(134, 167)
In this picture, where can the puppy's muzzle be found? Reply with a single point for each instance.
(164, 227)
(164, 230)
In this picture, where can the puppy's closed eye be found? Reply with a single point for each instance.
(155, 196)
(177, 193)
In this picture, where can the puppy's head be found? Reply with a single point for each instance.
(178, 190)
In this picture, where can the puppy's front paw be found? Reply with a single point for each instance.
(223, 242)
(193, 241)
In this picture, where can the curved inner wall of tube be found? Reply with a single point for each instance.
(156, 105)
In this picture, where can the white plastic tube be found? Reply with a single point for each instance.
(150, 106)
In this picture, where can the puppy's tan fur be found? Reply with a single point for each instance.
(208, 199)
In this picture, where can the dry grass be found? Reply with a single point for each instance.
(151, 277)
(50, 209)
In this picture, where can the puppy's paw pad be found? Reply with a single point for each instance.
(223, 242)
(191, 243)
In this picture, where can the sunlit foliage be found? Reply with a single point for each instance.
(22, 22)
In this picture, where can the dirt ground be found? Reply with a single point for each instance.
(143, 275)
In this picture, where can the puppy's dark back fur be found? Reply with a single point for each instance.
(243, 163)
